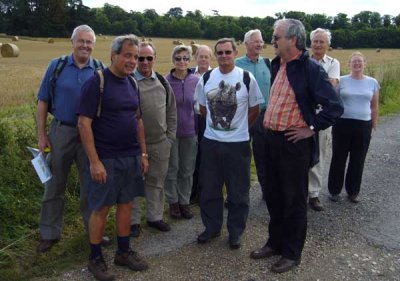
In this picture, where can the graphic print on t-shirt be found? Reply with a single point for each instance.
(222, 105)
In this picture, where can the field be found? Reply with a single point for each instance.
(20, 77)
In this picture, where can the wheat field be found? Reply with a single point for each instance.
(20, 77)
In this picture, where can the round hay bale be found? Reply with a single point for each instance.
(150, 40)
(192, 42)
(9, 51)
(15, 38)
(265, 46)
(194, 48)
(330, 49)
(378, 50)
(50, 40)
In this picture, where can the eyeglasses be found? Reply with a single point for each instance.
(83, 42)
(227, 53)
(276, 38)
(181, 58)
(148, 58)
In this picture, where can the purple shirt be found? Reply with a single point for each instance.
(184, 96)
(115, 130)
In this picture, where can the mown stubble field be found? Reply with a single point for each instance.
(20, 77)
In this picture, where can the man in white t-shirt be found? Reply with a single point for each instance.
(320, 42)
(229, 97)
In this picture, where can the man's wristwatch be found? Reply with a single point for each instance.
(312, 128)
(145, 155)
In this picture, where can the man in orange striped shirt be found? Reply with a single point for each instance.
(291, 123)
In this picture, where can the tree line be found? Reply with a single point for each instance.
(57, 18)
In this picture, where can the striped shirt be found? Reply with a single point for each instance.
(282, 112)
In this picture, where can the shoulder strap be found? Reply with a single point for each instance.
(98, 64)
(165, 85)
(62, 61)
(246, 79)
(268, 63)
(101, 87)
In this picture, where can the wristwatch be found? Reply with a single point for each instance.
(311, 127)
(145, 155)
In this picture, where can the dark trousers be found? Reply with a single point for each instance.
(224, 163)
(350, 139)
(287, 165)
(200, 127)
(258, 145)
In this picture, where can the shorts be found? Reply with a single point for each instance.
(124, 182)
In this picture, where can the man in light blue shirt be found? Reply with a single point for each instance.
(259, 67)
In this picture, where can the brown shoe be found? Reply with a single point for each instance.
(284, 264)
(160, 225)
(132, 260)
(99, 270)
(185, 211)
(262, 253)
(353, 199)
(174, 211)
(315, 204)
(46, 244)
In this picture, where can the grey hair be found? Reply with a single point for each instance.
(149, 44)
(118, 42)
(85, 28)
(201, 47)
(294, 28)
(179, 49)
(226, 40)
(250, 33)
(326, 32)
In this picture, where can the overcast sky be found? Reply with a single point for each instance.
(258, 8)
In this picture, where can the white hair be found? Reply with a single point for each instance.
(250, 33)
(322, 31)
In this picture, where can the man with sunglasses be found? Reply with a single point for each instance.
(259, 67)
(291, 123)
(159, 118)
(230, 108)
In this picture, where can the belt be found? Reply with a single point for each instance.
(274, 133)
(63, 123)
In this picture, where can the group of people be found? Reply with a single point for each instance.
(134, 133)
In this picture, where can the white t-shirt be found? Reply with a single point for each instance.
(356, 96)
(227, 101)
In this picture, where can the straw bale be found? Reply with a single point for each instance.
(15, 38)
(9, 50)
(194, 48)
(50, 40)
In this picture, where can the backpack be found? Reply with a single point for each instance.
(268, 63)
(246, 78)
(61, 63)
(100, 74)
(165, 85)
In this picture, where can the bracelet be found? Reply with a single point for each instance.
(145, 155)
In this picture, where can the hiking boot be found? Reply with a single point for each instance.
(353, 199)
(46, 244)
(135, 230)
(132, 260)
(185, 211)
(160, 225)
(99, 270)
(174, 211)
(315, 204)
(334, 197)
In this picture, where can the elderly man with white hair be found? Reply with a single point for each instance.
(320, 42)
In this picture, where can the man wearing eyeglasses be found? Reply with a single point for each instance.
(159, 118)
(291, 123)
(60, 96)
(259, 67)
(230, 107)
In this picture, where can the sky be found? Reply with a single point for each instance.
(257, 8)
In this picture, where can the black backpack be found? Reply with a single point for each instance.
(61, 63)
(246, 78)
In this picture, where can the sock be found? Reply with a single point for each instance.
(95, 251)
(123, 244)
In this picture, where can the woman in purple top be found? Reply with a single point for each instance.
(178, 184)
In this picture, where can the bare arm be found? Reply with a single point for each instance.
(253, 114)
(203, 110)
(375, 109)
(97, 170)
(41, 117)
(142, 144)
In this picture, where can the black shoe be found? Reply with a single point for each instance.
(315, 204)
(234, 242)
(284, 264)
(135, 230)
(46, 244)
(160, 225)
(205, 237)
(262, 253)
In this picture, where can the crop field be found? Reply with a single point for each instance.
(20, 77)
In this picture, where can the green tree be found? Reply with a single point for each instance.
(175, 13)
(341, 21)
(387, 20)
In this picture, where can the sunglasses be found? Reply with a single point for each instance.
(181, 58)
(220, 53)
(276, 38)
(149, 58)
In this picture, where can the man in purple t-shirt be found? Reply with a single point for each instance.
(115, 145)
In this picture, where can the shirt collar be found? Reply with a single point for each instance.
(139, 76)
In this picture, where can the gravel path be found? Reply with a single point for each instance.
(345, 242)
